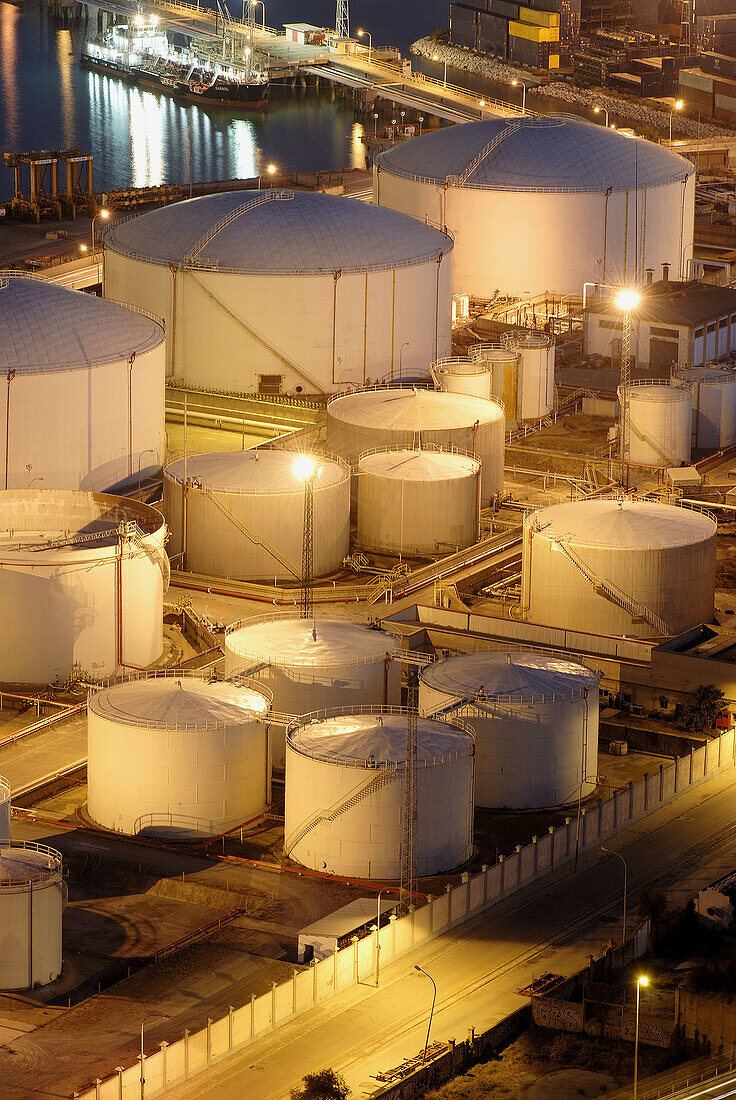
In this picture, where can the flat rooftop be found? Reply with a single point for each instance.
(675, 303)
(709, 642)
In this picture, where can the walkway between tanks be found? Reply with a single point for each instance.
(49, 751)
(478, 967)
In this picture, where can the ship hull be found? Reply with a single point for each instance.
(248, 96)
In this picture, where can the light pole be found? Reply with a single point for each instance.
(626, 301)
(597, 110)
(378, 933)
(431, 1011)
(375, 122)
(515, 84)
(370, 42)
(103, 213)
(393, 128)
(406, 344)
(150, 1016)
(436, 57)
(676, 106)
(626, 882)
(421, 120)
(148, 451)
(403, 116)
(263, 11)
(306, 470)
(642, 980)
(270, 171)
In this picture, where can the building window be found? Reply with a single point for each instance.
(665, 333)
(270, 383)
(617, 326)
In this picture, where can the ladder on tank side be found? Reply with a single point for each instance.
(379, 778)
(256, 540)
(612, 592)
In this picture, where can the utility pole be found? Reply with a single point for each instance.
(409, 813)
(627, 300)
(306, 606)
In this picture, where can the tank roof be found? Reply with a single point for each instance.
(38, 516)
(659, 394)
(556, 153)
(622, 524)
(178, 703)
(255, 471)
(23, 861)
(307, 233)
(717, 375)
(509, 677)
(414, 410)
(417, 465)
(288, 640)
(364, 739)
(46, 328)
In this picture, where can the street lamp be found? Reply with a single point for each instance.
(375, 122)
(421, 120)
(642, 980)
(597, 111)
(626, 880)
(306, 470)
(370, 42)
(406, 344)
(263, 11)
(515, 84)
(103, 213)
(627, 300)
(150, 1016)
(378, 932)
(270, 171)
(676, 106)
(148, 451)
(431, 1011)
(435, 57)
(393, 128)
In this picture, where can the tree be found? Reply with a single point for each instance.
(701, 712)
(324, 1085)
(653, 904)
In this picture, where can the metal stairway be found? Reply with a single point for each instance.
(606, 588)
(377, 779)
(255, 539)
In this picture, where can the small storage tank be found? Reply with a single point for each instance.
(460, 374)
(660, 423)
(392, 417)
(537, 354)
(32, 896)
(83, 404)
(311, 665)
(4, 810)
(535, 720)
(345, 793)
(177, 755)
(626, 567)
(82, 581)
(418, 502)
(713, 392)
(242, 514)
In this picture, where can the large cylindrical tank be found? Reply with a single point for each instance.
(177, 755)
(540, 205)
(289, 291)
(245, 513)
(4, 810)
(392, 417)
(418, 502)
(535, 720)
(345, 793)
(461, 374)
(83, 406)
(32, 896)
(82, 581)
(713, 393)
(619, 567)
(660, 423)
(312, 665)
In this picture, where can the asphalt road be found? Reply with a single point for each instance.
(479, 967)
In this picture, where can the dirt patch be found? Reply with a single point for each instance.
(578, 432)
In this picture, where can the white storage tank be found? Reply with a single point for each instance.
(345, 793)
(504, 366)
(418, 502)
(177, 755)
(535, 720)
(537, 364)
(82, 406)
(393, 417)
(660, 423)
(82, 581)
(461, 374)
(619, 567)
(286, 291)
(4, 810)
(310, 665)
(32, 897)
(539, 205)
(713, 392)
(242, 513)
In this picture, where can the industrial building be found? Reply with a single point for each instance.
(240, 282)
(83, 406)
(544, 204)
(688, 323)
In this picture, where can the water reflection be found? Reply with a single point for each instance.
(9, 108)
(65, 60)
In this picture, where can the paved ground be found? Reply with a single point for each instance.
(479, 967)
(41, 753)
